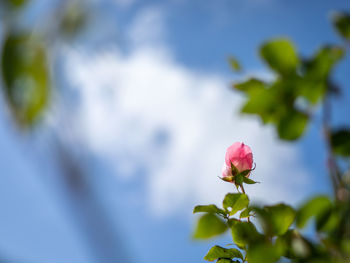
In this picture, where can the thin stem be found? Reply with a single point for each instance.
(334, 172)
(242, 188)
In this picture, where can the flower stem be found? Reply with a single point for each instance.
(242, 188)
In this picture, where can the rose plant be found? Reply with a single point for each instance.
(236, 214)
(268, 234)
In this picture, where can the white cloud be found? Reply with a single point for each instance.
(145, 110)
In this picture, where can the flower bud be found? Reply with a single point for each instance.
(240, 156)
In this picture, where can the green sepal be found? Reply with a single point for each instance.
(249, 181)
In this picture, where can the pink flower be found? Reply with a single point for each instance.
(240, 155)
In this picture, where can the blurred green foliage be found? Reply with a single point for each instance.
(340, 141)
(341, 21)
(297, 79)
(15, 3)
(73, 20)
(267, 234)
(25, 64)
(26, 76)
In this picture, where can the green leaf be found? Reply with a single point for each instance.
(321, 64)
(282, 217)
(341, 22)
(292, 125)
(209, 225)
(293, 245)
(276, 219)
(245, 233)
(225, 260)
(248, 181)
(314, 207)
(263, 253)
(245, 213)
(26, 77)
(235, 65)
(263, 103)
(208, 209)
(316, 73)
(16, 3)
(328, 220)
(236, 202)
(217, 252)
(280, 55)
(232, 221)
(250, 85)
(340, 141)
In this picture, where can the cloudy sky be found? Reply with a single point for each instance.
(145, 107)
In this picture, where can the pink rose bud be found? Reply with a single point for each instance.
(240, 155)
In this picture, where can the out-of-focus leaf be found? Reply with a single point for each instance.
(341, 22)
(217, 252)
(209, 225)
(276, 219)
(340, 141)
(328, 220)
(263, 103)
(280, 55)
(208, 209)
(324, 60)
(314, 207)
(16, 3)
(26, 77)
(235, 65)
(301, 248)
(315, 80)
(250, 85)
(283, 244)
(292, 125)
(345, 245)
(293, 245)
(245, 233)
(263, 253)
(236, 202)
(73, 19)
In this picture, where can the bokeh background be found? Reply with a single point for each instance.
(136, 122)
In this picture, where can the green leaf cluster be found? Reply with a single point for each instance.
(299, 84)
(216, 220)
(278, 233)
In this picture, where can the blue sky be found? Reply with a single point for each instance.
(144, 108)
